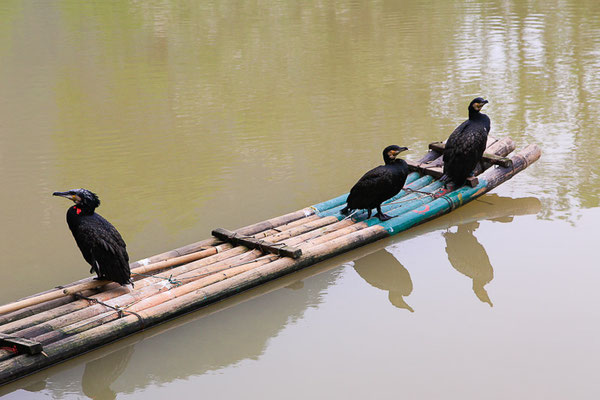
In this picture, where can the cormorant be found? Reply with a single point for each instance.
(379, 184)
(466, 144)
(100, 243)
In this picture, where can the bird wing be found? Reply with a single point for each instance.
(371, 189)
(454, 142)
(106, 248)
(464, 149)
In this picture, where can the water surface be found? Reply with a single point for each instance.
(186, 116)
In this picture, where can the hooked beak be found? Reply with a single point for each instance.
(484, 102)
(403, 149)
(66, 195)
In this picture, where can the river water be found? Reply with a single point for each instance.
(185, 116)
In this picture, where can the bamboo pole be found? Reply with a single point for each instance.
(38, 308)
(88, 339)
(309, 227)
(500, 209)
(56, 294)
(183, 254)
(54, 317)
(48, 330)
(117, 293)
(98, 314)
(90, 312)
(92, 315)
(93, 284)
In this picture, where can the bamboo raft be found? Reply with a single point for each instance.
(50, 327)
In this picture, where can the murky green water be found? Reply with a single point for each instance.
(186, 116)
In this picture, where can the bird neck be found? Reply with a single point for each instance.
(474, 114)
(395, 161)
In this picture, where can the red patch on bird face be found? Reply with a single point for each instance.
(78, 210)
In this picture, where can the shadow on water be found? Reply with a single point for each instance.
(239, 328)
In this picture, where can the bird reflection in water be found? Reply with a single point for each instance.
(101, 373)
(383, 271)
(468, 256)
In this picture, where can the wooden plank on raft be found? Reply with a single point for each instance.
(487, 157)
(22, 345)
(237, 239)
(437, 172)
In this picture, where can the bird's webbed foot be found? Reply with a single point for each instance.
(345, 210)
(383, 217)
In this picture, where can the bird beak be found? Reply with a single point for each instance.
(66, 195)
(403, 149)
(484, 102)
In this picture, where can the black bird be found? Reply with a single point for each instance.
(379, 184)
(100, 243)
(466, 144)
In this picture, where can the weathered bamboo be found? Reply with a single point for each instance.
(335, 227)
(38, 308)
(51, 330)
(500, 209)
(121, 295)
(282, 235)
(324, 243)
(98, 314)
(90, 312)
(93, 315)
(144, 265)
(286, 227)
(93, 311)
(102, 334)
(69, 310)
(92, 284)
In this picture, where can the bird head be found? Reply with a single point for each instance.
(82, 198)
(477, 104)
(391, 152)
